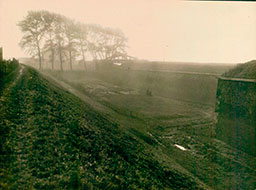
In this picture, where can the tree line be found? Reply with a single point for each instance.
(67, 40)
(7, 66)
(6, 72)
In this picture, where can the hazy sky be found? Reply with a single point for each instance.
(156, 29)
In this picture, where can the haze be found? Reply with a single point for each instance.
(214, 32)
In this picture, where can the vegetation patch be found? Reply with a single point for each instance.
(246, 70)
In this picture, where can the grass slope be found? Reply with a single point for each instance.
(53, 140)
(246, 70)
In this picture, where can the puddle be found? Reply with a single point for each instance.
(118, 64)
(180, 147)
(125, 92)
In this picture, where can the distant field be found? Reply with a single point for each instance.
(214, 68)
(193, 88)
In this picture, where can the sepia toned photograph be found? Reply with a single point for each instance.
(127, 94)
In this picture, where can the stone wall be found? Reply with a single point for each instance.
(236, 108)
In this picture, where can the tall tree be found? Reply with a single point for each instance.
(50, 39)
(106, 43)
(60, 37)
(33, 32)
(114, 44)
(70, 34)
(95, 41)
(81, 36)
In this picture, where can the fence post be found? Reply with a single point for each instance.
(1, 63)
(1, 54)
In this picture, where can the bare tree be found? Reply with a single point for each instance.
(95, 40)
(70, 34)
(60, 38)
(106, 43)
(33, 32)
(114, 44)
(50, 38)
(81, 36)
(59, 34)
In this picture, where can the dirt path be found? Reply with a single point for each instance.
(12, 104)
(178, 72)
(238, 79)
(7, 90)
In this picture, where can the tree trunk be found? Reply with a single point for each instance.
(70, 57)
(40, 59)
(53, 54)
(85, 67)
(39, 55)
(60, 56)
(82, 51)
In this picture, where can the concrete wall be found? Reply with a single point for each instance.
(236, 108)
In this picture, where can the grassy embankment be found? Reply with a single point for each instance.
(246, 71)
(55, 140)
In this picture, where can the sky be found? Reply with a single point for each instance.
(161, 30)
